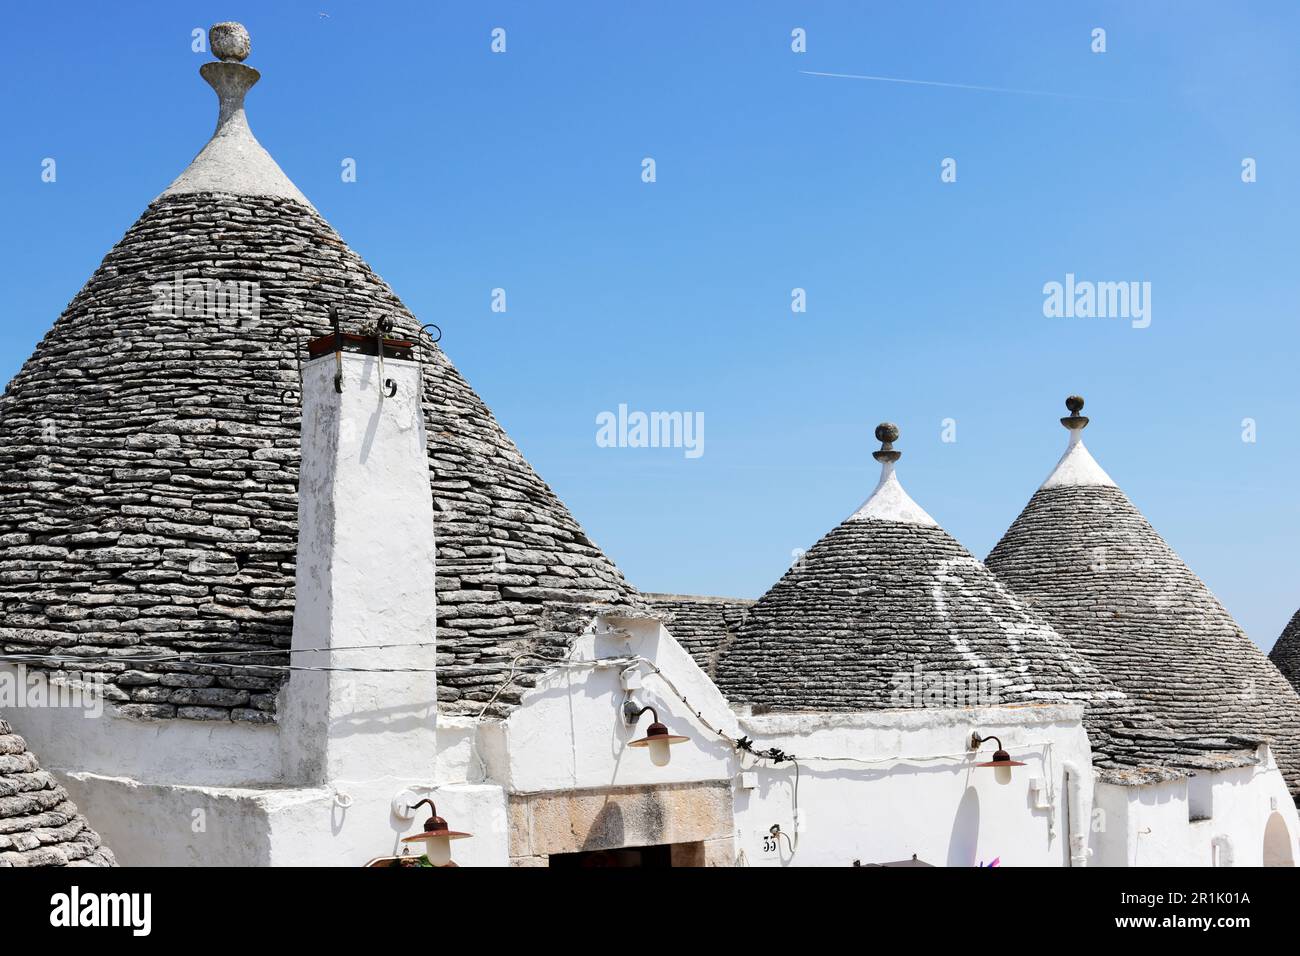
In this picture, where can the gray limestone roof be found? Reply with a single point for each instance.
(39, 825)
(702, 625)
(149, 460)
(1085, 558)
(148, 469)
(885, 614)
(1286, 652)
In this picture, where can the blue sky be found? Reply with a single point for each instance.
(523, 171)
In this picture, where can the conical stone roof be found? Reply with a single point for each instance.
(1082, 555)
(1286, 652)
(149, 459)
(888, 611)
(704, 626)
(39, 825)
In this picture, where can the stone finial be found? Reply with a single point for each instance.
(229, 42)
(1074, 421)
(233, 161)
(886, 434)
(230, 78)
(889, 502)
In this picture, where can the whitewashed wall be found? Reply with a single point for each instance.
(892, 802)
(1151, 825)
(318, 788)
(569, 734)
(96, 740)
(180, 792)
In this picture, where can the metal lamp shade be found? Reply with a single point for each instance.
(657, 738)
(1001, 759)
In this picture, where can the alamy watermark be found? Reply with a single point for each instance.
(75, 909)
(21, 689)
(626, 429)
(1084, 299)
(199, 297)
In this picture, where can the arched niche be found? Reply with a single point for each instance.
(1277, 843)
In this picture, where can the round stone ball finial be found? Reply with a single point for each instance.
(1074, 421)
(886, 434)
(229, 42)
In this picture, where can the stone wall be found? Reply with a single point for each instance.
(696, 814)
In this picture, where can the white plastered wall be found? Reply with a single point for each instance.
(156, 803)
(903, 782)
(318, 788)
(1152, 825)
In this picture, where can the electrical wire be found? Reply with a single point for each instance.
(545, 664)
(742, 746)
(497, 693)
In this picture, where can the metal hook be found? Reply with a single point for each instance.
(432, 340)
(338, 349)
(389, 388)
(297, 357)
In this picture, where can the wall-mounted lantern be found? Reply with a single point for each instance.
(1001, 762)
(437, 837)
(657, 738)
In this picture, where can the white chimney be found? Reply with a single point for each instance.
(365, 575)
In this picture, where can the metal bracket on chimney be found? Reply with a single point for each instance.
(285, 394)
(387, 387)
(338, 349)
(371, 339)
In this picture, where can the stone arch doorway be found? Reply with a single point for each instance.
(1277, 843)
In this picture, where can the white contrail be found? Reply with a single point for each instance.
(959, 86)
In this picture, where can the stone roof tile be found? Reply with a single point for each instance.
(893, 613)
(702, 625)
(39, 825)
(1286, 651)
(1085, 557)
(149, 457)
